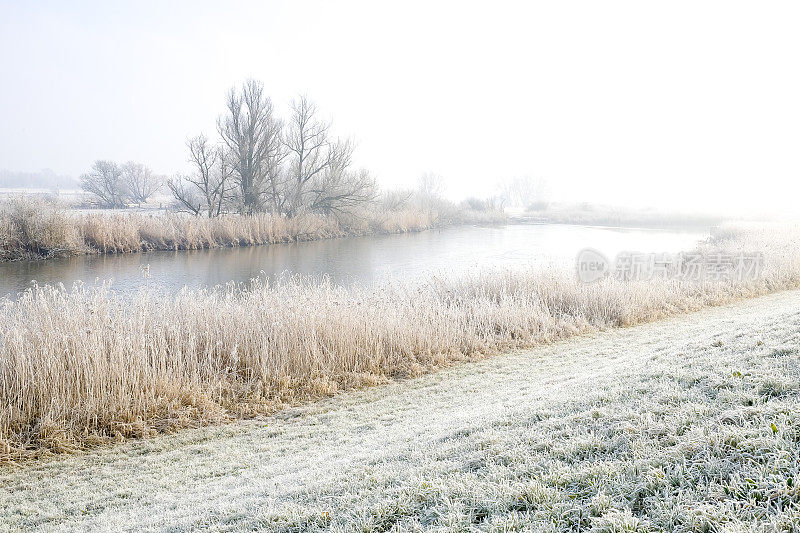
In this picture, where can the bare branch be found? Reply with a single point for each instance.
(251, 135)
(105, 182)
(140, 181)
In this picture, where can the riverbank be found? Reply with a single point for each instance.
(685, 424)
(115, 368)
(37, 229)
(370, 260)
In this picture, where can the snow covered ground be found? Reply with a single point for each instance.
(691, 423)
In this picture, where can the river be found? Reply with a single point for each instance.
(363, 260)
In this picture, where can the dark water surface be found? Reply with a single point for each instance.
(364, 260)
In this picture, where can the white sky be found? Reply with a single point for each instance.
(695, 104)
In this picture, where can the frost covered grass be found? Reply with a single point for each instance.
(35, 228)
(687, 424)
(84, 366)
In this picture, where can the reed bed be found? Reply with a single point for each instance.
(32, 228)
(37, 229)
(82, 366)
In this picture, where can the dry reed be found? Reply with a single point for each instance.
(33, 228)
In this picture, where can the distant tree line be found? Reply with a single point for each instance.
(45, 179)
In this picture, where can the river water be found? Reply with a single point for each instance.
(363, 260)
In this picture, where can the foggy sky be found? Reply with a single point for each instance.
(677, 103)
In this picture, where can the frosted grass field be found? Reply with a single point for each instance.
(688, 424)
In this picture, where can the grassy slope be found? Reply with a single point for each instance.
(691, 423)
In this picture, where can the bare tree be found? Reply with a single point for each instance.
(251, 134)
(431, 185)
(281, 169)
(140, 181)
(186, 195)
(525, 191)
(207, 188)
(319, 178)
(337, 189)
(105, 181)
(397, 199)
(430, 188)
(307, 141)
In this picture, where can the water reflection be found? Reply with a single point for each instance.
(365, 260)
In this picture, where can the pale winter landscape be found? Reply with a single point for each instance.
(350, 268)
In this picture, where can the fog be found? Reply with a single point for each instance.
(671, 105)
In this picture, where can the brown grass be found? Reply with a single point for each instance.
(32, 228)
(85, 366)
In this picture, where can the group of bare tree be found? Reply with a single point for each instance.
(206, 190)
(264, 164)
(524, 191)
(116, 186)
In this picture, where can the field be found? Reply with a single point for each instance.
(687, 424)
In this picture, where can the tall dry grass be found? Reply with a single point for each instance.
(36, 228)
(84, 366)
(32, 228)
